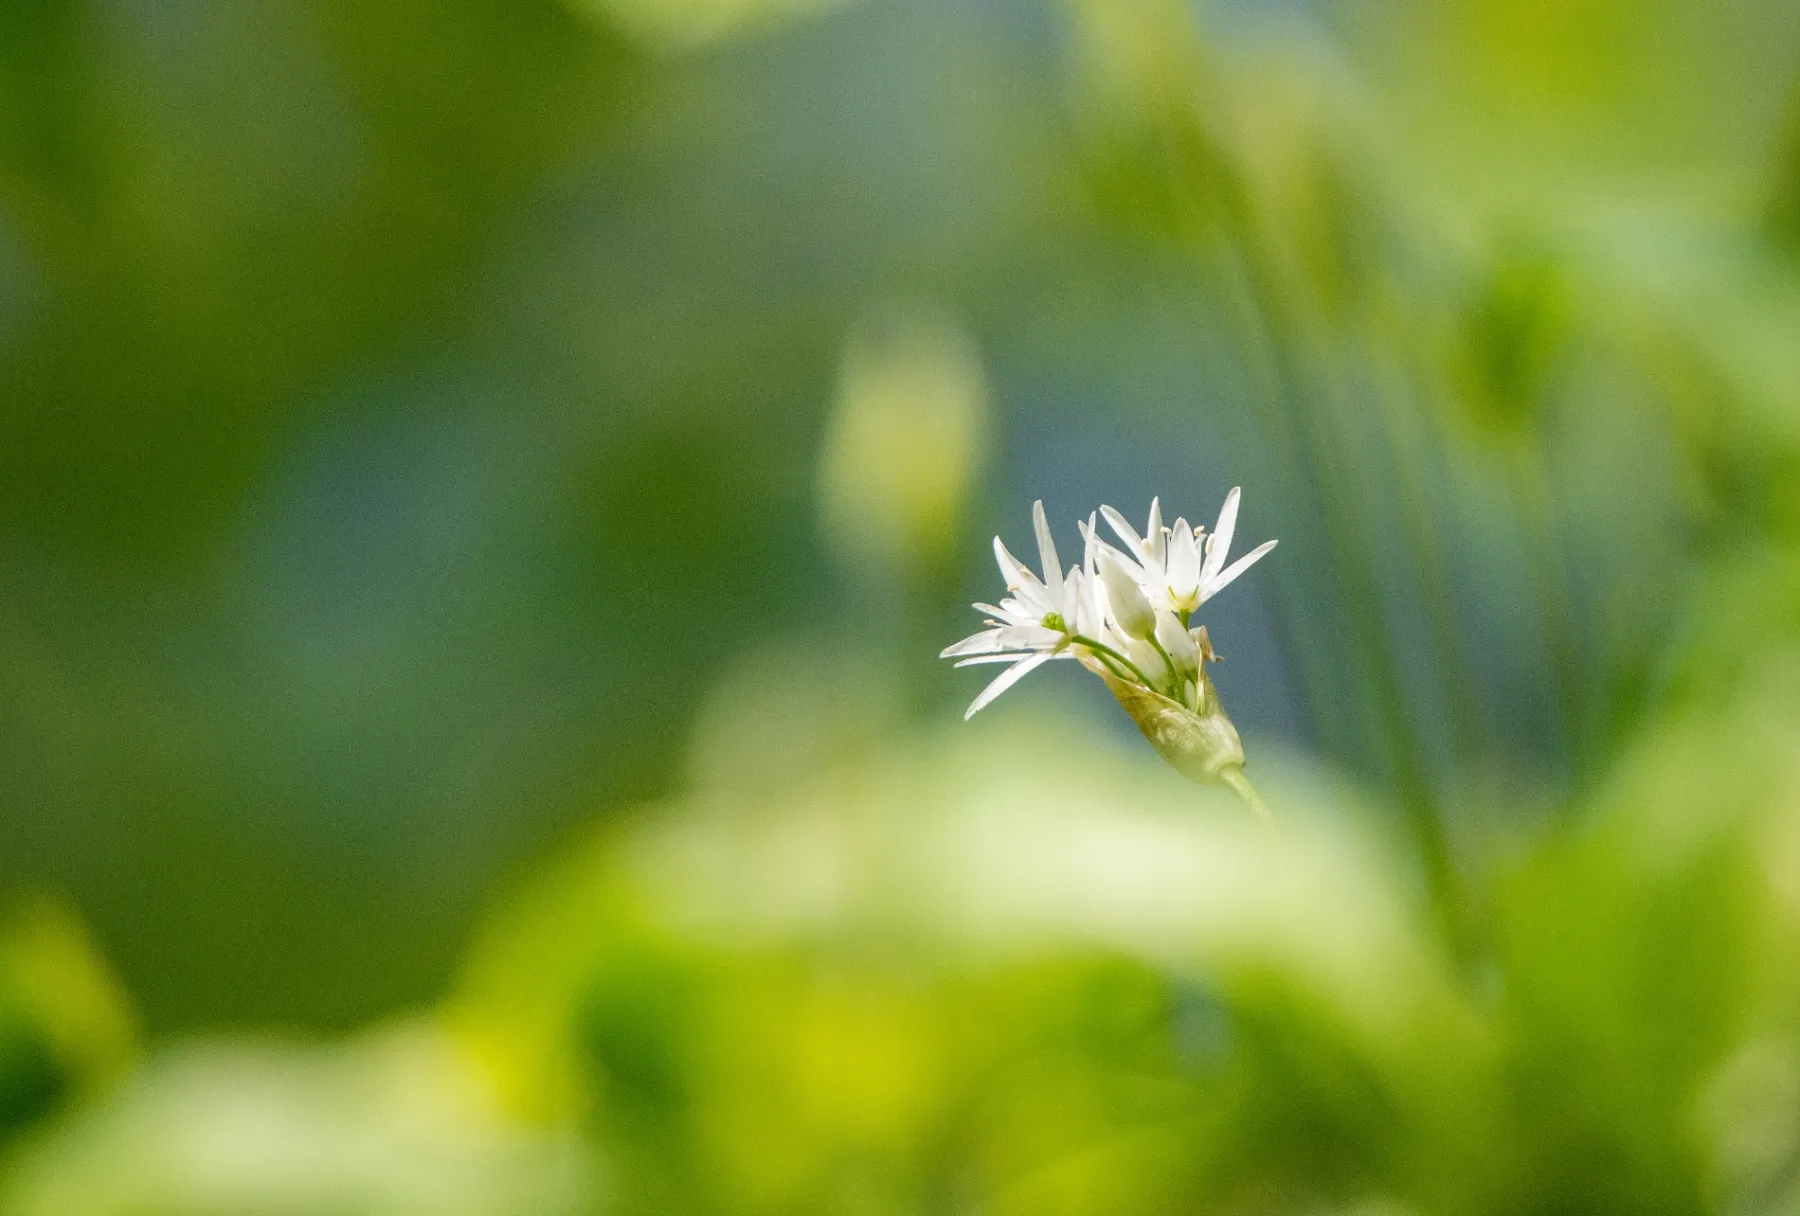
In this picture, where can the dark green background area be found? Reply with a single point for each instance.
(405, 409)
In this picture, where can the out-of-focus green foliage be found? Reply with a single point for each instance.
(963, 976)
(65, 1032)
(1001, 974)
(394, 1125)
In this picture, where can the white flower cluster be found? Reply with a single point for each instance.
(1124, 612)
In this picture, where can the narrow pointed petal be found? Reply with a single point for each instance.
(1134, 544)
(1010, 612)
(987, 641)
(1236, 568)
(1093, 612)
(1155, 543)
(1030, 637)
(1183, 564)
(1090, 612)
(1105, 552)
(1016, 575)
(1047, 552)
(1005, 680)
(1033, 598)
(1218, 546)
(1010, 656)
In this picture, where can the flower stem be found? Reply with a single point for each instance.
(1240, 785)
(1174, 674)
(1102, 648)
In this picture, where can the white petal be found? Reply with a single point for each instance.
(1030, 637)
(1033, 600)
(1238, 567)
(985, 642)
(1155, 543)
(1090, 615)
(1047, 552)
(1005, 680)
(1218, 545)
(1036, 603)
(1093, 590)
(1184, 562)
(1011, 612)
(1102, 608)
(1017, 576)
(1134, 544)
(1148, 579)
(1014, 656)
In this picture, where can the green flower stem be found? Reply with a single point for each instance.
(1240, 785)
(1174, 672)
(1101, 648)
(1112, 665)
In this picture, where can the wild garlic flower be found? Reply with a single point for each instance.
(1180, 568)
(1122, 612)
(1039, 620)
(1125, 616)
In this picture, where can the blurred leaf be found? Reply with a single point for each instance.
(934, 974)
(65, 1031)
(392, 1125)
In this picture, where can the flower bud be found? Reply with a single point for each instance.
(1129, 607)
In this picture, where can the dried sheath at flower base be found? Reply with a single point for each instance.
(1203, 746)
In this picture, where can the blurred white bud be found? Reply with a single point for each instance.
(903, 446)
(677, 25)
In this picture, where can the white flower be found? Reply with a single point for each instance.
(1180, 568)
(1037, 622)
(1122, 614)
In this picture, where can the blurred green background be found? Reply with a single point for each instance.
(482, 485)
